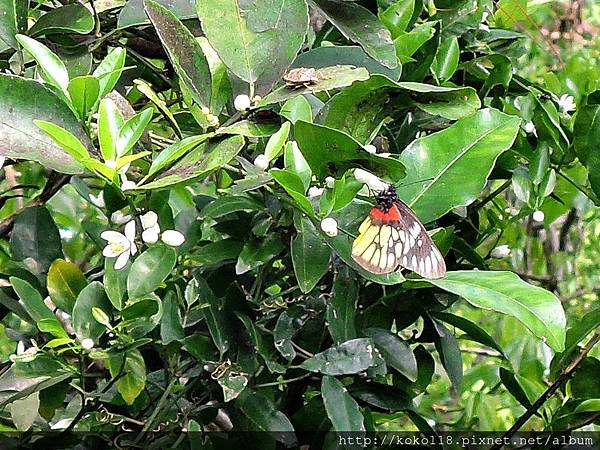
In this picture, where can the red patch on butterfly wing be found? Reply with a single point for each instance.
(391, 215)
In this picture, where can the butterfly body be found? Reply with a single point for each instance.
(392, 238)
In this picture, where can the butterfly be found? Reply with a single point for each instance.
(392, 238)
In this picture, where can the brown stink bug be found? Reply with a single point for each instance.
(300, 77)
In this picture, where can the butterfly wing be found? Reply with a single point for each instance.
(393, 239)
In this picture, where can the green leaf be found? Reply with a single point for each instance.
(587, 135)
(288, 324)
(294, 109)
(250, 129)
(150, 269)
(406, 44)
(341, 408)
(23, 412)
(473, 331)
(84, 323)
(65, 139)
(510, 12)
(199, 163)
(396, 352)
(439, 181)
(215, 317)
(35, 235)
(13, 20)
(295, 187)
(382, 396)
(221, 86)
(131, 368)
(261, 343)
(261, 411)
(295, 162)
(142, 315)
(256, 41)
(31, 300)
(449, 351)
(310, 255)
(131, 131)
(585, 382)
(538, 309)
(22, 101)
(576, 333)
(115, 282)
(183, 50)
(171, 328)
(232, 384)
(110, 121)
(84, 92)
(73, 18)
(350, 357)
(133, 12)
(326, 148)
(109, 70)
(258, 252)
(175, 151)
(65, 282)
(397, 16)
(359, 25)
(276, 141)
(510, 381)
(230, 204)
(590, 405)
(446, 59)
(52, 69)
(341, 308)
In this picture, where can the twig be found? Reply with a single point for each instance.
(564, 376)
(529, 276)
(580, 293)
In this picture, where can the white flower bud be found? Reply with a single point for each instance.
(538, 216)
(2, 160)
(315, 191)
(87, 344)
(530, 128)
(173, 238)
(374, 182)
(502, 251)
(242, 102)
(370, 148)
(329, 182)
(261, 162)
(110, 163)
(329, 226)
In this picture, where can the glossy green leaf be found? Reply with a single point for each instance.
(131, 132)
(328, 78)
(538, 309)
(92, 296)
(131, 370)
(21, 102)
(200, 162)
(256, 41)
(142, 315)
(150, 269)
(437, 181)
(232, 384)
(215, 316)
(52, 69)
(295, 162)
(133, 13)
(64, 139)
(382, 396)
(171, 328)
(109, 70)
(342, 409)
(353, 356)
(473, 331)
(115, 282)
(288, 324)
(36, 236)
(84, 92)
(13, 20)
(449, 351)
(590, 405)
(23, 412)
(256, 253)
(221, 86)
(65, 282)
(276, 141)
(359, 25)
(397, 16)
(110, 121)
(512, 385)
(297, 108)
(310, 255)
(261, 411)
(175, 151)
(446, 59)
(184, 51)
(261, 343)
(587, 134)
(230, 204)
(250, 129)
(73, 18)
(329, 151)
(294, 186)
(585, 382)
(406, 44)
(341, 308)
(31, 300)
(396, 352)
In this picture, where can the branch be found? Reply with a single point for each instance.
(580, 293)
(564, 376)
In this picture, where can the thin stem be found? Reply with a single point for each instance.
(157, 410)
(564, 376)
(278, 383)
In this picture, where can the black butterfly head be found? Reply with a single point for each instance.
(387, 198)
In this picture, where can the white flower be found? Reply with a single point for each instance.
(538, 216)
(374, 182)
(566, 103)
(2, 160)
(329, 226)
(24, 355)
(87, 344)
(329, 182)
(118, 218)
(502, 251)
(151, 229)
(213, 120)
(127, 184)
(205, 110)
(483, 26)
(261, 162)
(98, 200)
(120, 245)
(110, 163)
(173, 238)
(242, 102)
(315, 191)
(370, 148)
(530, 128)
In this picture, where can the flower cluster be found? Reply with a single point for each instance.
(122, 246)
